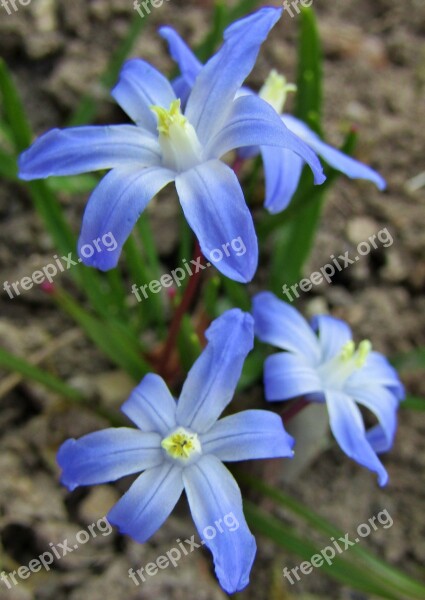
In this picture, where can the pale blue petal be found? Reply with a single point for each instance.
(83, 149)
(253, 122)
(182, 90)
(348, 428)
(282, 171)
(219, 80)
(148, 502)
(281, 325)
(378, 439)
(215, 208)
(247, 435)
(151, 406)
(378, 370)
(108, 455)
(114, 207)
(139, 87)
(335, 158)
(189, 65)
(333, 335)
(287, 376)
(212, 380)
(381, 402)
(215, 501)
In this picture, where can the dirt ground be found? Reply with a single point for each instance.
(374, 79)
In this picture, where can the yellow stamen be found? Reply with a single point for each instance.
(347, 351)
(181, 444)
(365, 348)
(167, 118)
(275, 90)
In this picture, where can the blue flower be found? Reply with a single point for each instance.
(168, 144)
(282, 167)
(321, 362)
(181, 446)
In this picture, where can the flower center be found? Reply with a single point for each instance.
(336, 371)
(181, 148)
(275, 90)
(182, 445)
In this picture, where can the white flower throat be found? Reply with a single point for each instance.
(336, 371)
(181, 148)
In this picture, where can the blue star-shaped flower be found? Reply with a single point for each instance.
(181, 446)
(170, 144)
(282, 166)
(322, 363)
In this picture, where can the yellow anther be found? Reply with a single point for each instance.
(181, 444)
(347, 351)
(365, 348)
(276, 89)
(169, 117)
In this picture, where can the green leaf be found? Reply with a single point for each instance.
(111, 336)
(309, 78)
(394, 581)
(412, 360)
(237, 293)
(342, 570)
(150, 310)
(188, 343)
(252, 371)
(75, 184)
(104, 300)
(241, 9)
(8, 167)
(294, 230)
(222, 17)
(17, 364)
(13, 110)
(413, 403)
(219, 21)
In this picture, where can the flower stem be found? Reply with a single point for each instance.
(295, 408)
(183, 307)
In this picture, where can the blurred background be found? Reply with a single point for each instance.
(374, 76)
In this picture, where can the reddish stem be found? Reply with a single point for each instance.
(237, 164)
(295, 408)
(181, 310)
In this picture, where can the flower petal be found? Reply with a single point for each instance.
(189, 65)
(214, 497)
(139, 87)
(215, 208)
(335, 158)
(333, 335)
(212, 380)
(379, 371)
(219, 80)
(107, 455)
(378, 439)
(83, 149)
(253, 122)
(382, 403)
(182, 90)
(114, 207)
(281, 325)
(288, 376)
(282, 171)
(348, 428)
(247, 435)
(148, 502)
(151, 406)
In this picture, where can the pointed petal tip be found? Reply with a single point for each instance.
(383, 478)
